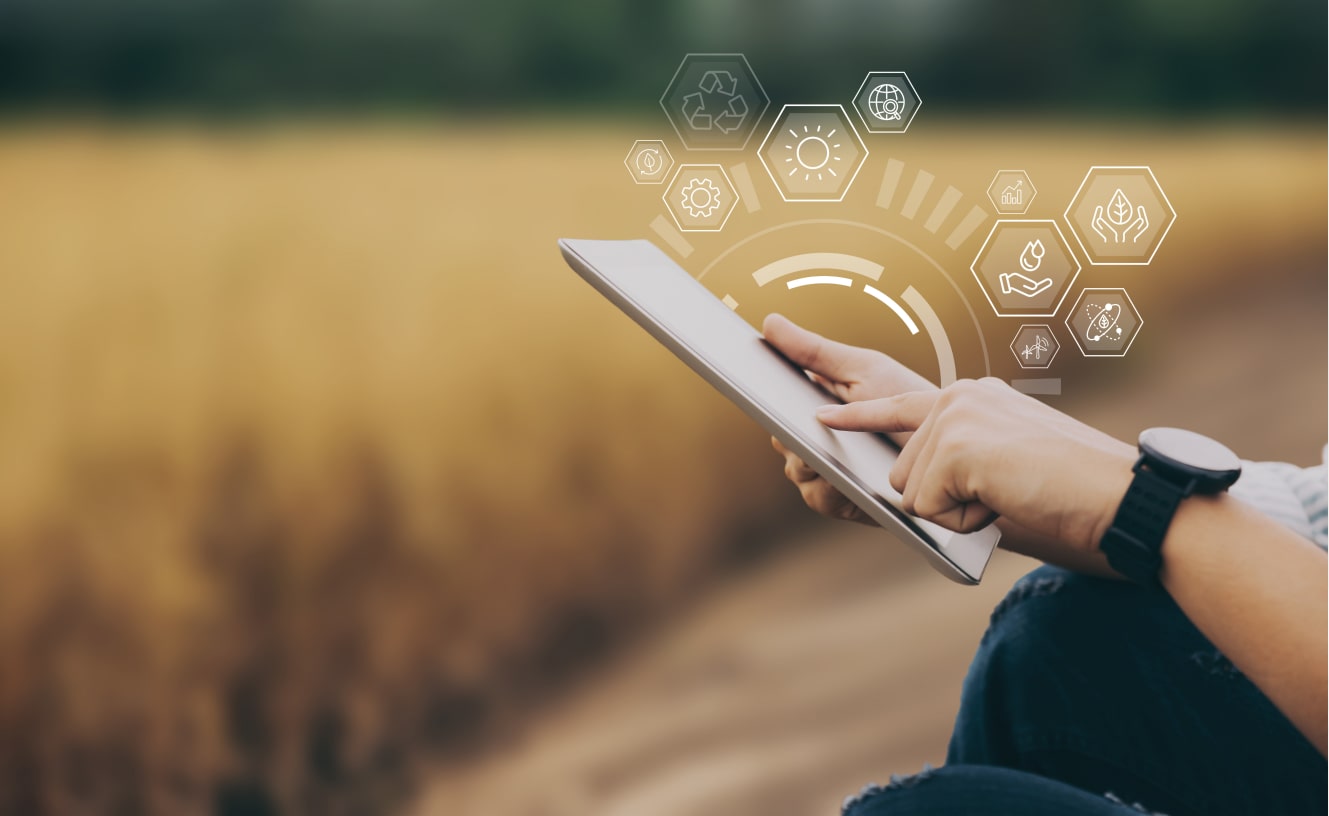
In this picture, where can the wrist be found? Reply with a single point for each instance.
(1174, 466)
(1115, 476)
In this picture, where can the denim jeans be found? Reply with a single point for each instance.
(1099, 697)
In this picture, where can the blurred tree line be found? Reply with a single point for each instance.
(250, 55)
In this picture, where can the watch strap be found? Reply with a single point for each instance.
(1133, 544)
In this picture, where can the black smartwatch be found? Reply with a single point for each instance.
(1173, 464)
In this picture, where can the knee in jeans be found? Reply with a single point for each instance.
(1018, 678)
(1048, 621)
(1031, 613)
(871, 796)
(1041, 583)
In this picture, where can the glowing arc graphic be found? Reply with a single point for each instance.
(855, 265)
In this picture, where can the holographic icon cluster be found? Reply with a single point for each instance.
(811, 152)
(1119, 217)
(814, 152)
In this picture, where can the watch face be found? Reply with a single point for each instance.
(1190, 452)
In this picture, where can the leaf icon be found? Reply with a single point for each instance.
(1119, 208)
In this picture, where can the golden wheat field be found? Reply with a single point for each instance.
(318, 464)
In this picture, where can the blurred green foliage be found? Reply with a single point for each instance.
(1177, 56)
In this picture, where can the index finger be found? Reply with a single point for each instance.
(898, 414)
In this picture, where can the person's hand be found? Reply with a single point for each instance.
(851, 373)
(1102, 227)
(862, 376)
(979, 448)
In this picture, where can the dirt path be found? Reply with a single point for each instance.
(841, 661)
(778, 695)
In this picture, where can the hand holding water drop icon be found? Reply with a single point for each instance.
(1025, 267)
(1014, 283)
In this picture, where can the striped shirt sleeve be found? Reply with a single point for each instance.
(1295, 497)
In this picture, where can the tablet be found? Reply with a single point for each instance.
(683, 315)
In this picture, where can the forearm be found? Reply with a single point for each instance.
(1258, 591)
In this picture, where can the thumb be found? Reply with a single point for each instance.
(810, 351)
(898, 414)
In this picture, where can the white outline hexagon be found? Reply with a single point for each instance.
(864, 84)
(1163, 195)
(1070, 282)
(756, 119)
(664, 197)
(1139, 321)
(1024, 173)
(849, 124)
(664, 173)
(1051, 334)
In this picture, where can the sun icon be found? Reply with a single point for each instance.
(812, 152)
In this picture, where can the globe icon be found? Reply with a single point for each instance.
(886, 102)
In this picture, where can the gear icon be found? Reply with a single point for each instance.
(700, 197)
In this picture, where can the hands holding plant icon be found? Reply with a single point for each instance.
(1117, 220)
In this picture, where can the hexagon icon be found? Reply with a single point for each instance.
(700, 198)
(887, 102)
(1025, 268)
(1104, 322)
(1011, 192)
(1034, 346)
(1120, 215)
(813, 152)
(714, 101)
(649, 161)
